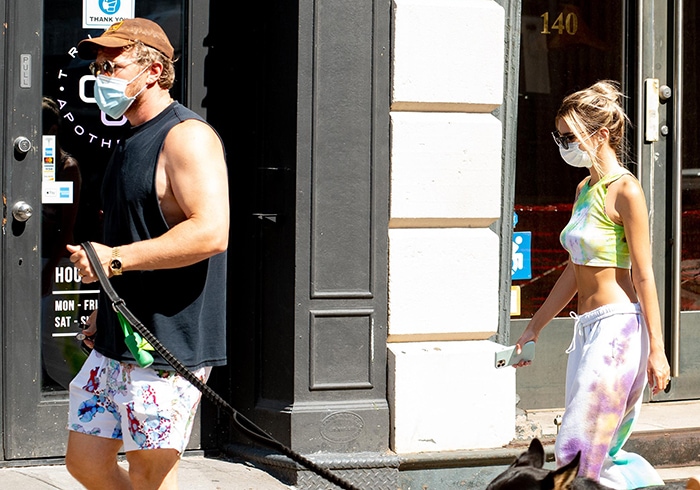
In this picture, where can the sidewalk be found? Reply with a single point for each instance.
(657, 421)
(196, 473)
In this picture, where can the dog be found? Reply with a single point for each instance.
(526, 473)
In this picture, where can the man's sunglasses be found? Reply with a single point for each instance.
(563, 140)
(105, 68)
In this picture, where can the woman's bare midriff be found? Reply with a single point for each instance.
(598, 286)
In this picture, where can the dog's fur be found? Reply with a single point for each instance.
(526, 473)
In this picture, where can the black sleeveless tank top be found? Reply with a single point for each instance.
(185, 307)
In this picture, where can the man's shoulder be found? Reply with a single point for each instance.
(190, 134)
(184, 113)
(191, 124)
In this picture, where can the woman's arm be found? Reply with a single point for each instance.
(631, 206)
(561, 294)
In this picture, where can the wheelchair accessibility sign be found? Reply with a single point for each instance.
(103, 13)
(522, 257)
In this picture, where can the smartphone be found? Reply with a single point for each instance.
(508, 357)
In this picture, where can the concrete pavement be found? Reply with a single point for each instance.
(202, 473)
(196, 473)
(667, 433)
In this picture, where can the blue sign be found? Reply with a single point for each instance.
(110, 7)
(522, 255)
(103, 13)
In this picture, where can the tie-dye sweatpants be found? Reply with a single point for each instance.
(605, 380)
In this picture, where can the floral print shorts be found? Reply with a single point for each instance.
(146, 408)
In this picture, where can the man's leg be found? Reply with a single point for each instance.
(153, 469)
(160, 409)
(92, 460)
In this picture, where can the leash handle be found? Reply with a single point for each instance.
(244, 424)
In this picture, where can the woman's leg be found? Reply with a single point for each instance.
(604, 385)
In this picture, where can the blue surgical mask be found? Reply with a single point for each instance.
(110, 94)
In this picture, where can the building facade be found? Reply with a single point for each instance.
(396, 201)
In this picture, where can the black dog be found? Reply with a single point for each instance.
(526, 473)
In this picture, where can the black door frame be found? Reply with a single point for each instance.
(23, 405)
(33, 422)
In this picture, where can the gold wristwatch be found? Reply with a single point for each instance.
(116, 264)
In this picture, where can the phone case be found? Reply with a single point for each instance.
(508, 357)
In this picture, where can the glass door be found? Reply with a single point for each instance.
(684, 205)
(59, 144)
(566, 46)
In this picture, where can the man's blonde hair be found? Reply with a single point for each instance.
(147, 55)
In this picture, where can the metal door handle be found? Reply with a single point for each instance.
(22, 211)
(22, 145)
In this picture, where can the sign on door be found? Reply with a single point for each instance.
(103, 13)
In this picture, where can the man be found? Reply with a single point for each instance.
(166, 220)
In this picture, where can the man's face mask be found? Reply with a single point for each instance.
(110, 94)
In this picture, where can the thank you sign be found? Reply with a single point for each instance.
(103, 13)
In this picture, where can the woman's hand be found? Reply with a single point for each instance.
(658, 371)
(527, 336)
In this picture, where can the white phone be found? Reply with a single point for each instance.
(508, 357)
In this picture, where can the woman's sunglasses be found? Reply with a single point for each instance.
(563, 140)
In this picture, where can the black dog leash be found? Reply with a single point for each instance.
(244, 424)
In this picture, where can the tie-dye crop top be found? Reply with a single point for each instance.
(591, 237)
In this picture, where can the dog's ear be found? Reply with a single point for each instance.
(534, 456)
(563, 477)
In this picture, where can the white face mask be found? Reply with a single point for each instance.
(575, 156)
(110, 94)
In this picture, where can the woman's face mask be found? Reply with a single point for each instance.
(110, 94)
(575, 156)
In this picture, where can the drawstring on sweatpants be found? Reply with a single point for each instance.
(577, 330)
(592, 317)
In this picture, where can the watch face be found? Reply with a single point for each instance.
(116, 264)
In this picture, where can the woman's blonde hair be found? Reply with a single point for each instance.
(589, 110)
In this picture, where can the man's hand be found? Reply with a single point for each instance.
(80, 261)
(90, 330)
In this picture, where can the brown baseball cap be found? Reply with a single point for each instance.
(124, 33)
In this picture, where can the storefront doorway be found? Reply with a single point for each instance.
(56, 148)
(566, 46)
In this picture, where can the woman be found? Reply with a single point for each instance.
(618, 342)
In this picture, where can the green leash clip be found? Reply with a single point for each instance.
(136, 344)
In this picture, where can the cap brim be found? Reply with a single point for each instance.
(87, 48)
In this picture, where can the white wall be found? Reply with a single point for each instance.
(448, 63)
